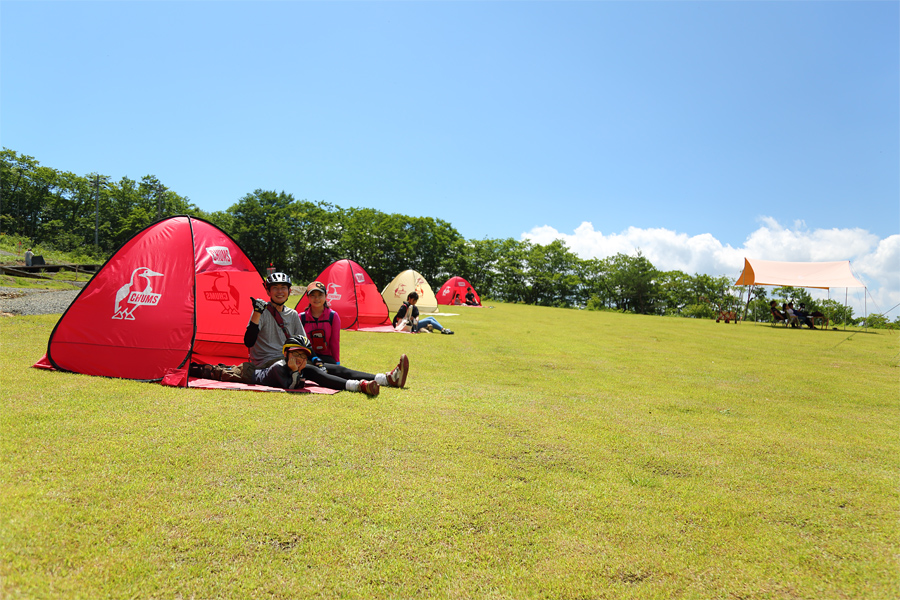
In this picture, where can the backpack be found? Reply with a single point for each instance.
(317, 336)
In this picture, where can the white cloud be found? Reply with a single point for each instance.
(877, 262)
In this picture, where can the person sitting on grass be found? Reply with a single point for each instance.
(793, 320)
(816, 314)
(802, 317)
(294, 369)
(409, 312)
(287, 373)
(777, 314)
(322, 325)
(272, 323)
(470, 297)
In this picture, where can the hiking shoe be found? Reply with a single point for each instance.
(397, 377)
(446, 331)
(369, 387)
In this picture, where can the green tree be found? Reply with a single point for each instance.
(836, 312)
(877, 321)
(758, 307)
(25, 188)
(262, 228)
(314, 238)
(796, 295)
(551, 275)
(478, 262)
(434, 244)
(634, 280)
(675, 290)
(711, 295)
(511, 270)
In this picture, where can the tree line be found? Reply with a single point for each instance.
(69, 212)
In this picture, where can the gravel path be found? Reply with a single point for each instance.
(19, 301)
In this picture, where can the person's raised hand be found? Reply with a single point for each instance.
(258, 305)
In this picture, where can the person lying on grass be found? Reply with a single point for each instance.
(272, 323)
(409, 313)
(294, 369)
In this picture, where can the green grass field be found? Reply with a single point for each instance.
(55, 281)
(537, 453)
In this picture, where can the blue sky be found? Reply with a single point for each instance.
(696, 131)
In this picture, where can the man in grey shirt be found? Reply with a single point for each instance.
(265, 336)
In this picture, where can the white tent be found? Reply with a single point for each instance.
(820, 275)
(824, 275)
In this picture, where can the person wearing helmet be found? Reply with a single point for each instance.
(287, 372)
(272, 322)
(294, 369)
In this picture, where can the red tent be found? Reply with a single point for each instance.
(453, 288)
(353, 295)
(178, 291)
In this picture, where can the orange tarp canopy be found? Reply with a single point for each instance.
(822, 275)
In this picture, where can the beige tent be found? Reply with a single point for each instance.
(395, 292)
(821, 275)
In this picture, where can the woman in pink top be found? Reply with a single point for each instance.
(322, 325)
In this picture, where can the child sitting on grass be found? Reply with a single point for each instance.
(273, 323)
(292, 371)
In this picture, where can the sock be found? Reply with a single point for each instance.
(352, 385)
(381, 379)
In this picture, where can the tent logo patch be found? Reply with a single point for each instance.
(225, 293)
(137, 292)
(400, 290)
(333, 293)
(220, 255)
(360, 278)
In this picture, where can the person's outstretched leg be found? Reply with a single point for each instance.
(347, 373)
(393, 378)
(334, 382)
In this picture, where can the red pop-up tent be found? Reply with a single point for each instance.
(353, 295)
(453, 288)
(178, 291)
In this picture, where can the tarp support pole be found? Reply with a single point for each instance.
(749, 296)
